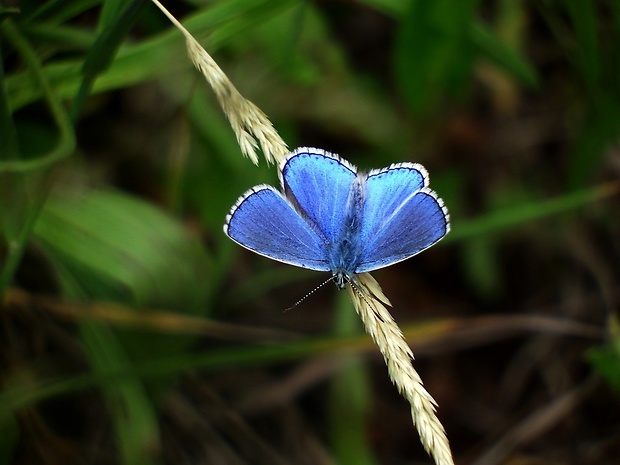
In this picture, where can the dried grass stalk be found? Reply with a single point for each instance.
(368, 299)
(251, 126)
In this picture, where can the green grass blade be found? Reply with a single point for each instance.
(434, 53)
(133, 413)
(7, 12)
(104, 49)
(9, 436)
(598, 131)
(606, 360)
(584, 19)
(506, 218)
(503, 56)
(59, 11)
(8, 136)
(17, 245)
(151, 58)
(62, 38)
(66, 142)
(110, 12)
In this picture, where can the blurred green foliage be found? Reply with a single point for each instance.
(161, 246)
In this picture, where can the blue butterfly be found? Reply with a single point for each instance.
(330, 217)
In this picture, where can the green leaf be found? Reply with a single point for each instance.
(107, 245)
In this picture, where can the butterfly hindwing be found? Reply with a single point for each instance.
(385, 190)
(264, 222)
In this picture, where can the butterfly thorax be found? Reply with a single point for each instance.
(341, 279)
(344, 256)
(344, 262)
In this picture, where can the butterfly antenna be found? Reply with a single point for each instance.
(308, 294)
(360, 294)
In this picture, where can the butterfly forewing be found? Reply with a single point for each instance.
(266, 223)
(319, 183)
(391, 235)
